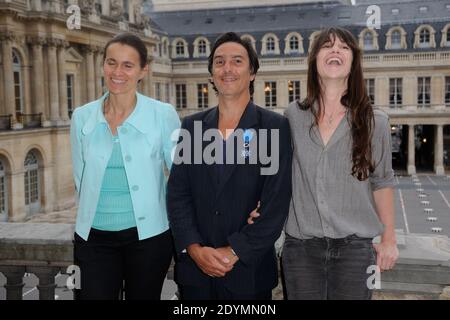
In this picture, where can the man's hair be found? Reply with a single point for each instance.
(252, 56)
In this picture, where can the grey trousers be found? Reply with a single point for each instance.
(328, 269)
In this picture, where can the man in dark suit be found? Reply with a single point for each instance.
(220, 255)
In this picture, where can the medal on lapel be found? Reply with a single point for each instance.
(247, 137)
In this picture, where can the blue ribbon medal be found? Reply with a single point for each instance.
(248, 136)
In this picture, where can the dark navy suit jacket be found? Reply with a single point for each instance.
(213, 214)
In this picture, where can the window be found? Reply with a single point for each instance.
(270, 45)
(18, 87)
(447, 91)
(448, 36)
(423, 92)
(424, 38)
(202, 48)
(293, 90)
(270, 91)
(179, 47)
(396, 39)
(370, 87)
(69, 81)
(293, 43)
(164, 48)
(180, 91)
(395, 92)
(31, 179)
(158, 91)
(168, 92)
(202, 95)
(368, 41)
(3, 194)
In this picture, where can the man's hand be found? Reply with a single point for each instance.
(228, 253)
(254, 214)
(211, 261)
(387, 254)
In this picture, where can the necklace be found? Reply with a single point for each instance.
(329, 118)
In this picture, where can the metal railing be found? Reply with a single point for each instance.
(5, 122)
(30, 120)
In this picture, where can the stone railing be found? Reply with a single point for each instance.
(44, 249)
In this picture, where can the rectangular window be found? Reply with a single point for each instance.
(270, 90)
(370, 87)
(180, 91)
(18, 92)
(70, 106)
(2, 194)
(447, 91)
(158, 91)
(395, 92)
(202, 95)
(423, 91)
(293, 90)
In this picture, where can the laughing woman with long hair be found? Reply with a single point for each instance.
(342, 179)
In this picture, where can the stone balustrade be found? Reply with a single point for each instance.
(45, 249)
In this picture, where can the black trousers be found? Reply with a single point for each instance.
(108, 260)
(217, 291)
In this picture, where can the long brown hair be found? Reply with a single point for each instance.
(355, 100)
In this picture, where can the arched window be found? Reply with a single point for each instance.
(202, 47)
(3, 194)
(179, 49)
(396, 39)
(424, 38)
(32, 192)
(293, 43)
(368, 41)
(270, 45)
(18, 87)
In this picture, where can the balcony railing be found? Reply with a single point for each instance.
(5, 122)
(31, 120)
(45, 249)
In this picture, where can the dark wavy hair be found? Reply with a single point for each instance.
(252, 55)
(355, 100)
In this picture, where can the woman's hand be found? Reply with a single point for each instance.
(254, 214)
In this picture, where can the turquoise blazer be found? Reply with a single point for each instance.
(147, 138)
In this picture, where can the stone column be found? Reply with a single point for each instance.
(14, 281)
(38, 78)
(64, 114)
(382, 92)
(90, 73)
(6, 40)
(410, 92)
(149, 77)
(439, 150)
(411, 150)
(191, 95)
(282, 94)
(53, 81)
(98, 61)
(47, 283)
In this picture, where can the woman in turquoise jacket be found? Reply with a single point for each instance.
(120, 146)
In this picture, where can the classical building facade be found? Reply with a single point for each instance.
(46, 70)
(406, 61)
(48, 67)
